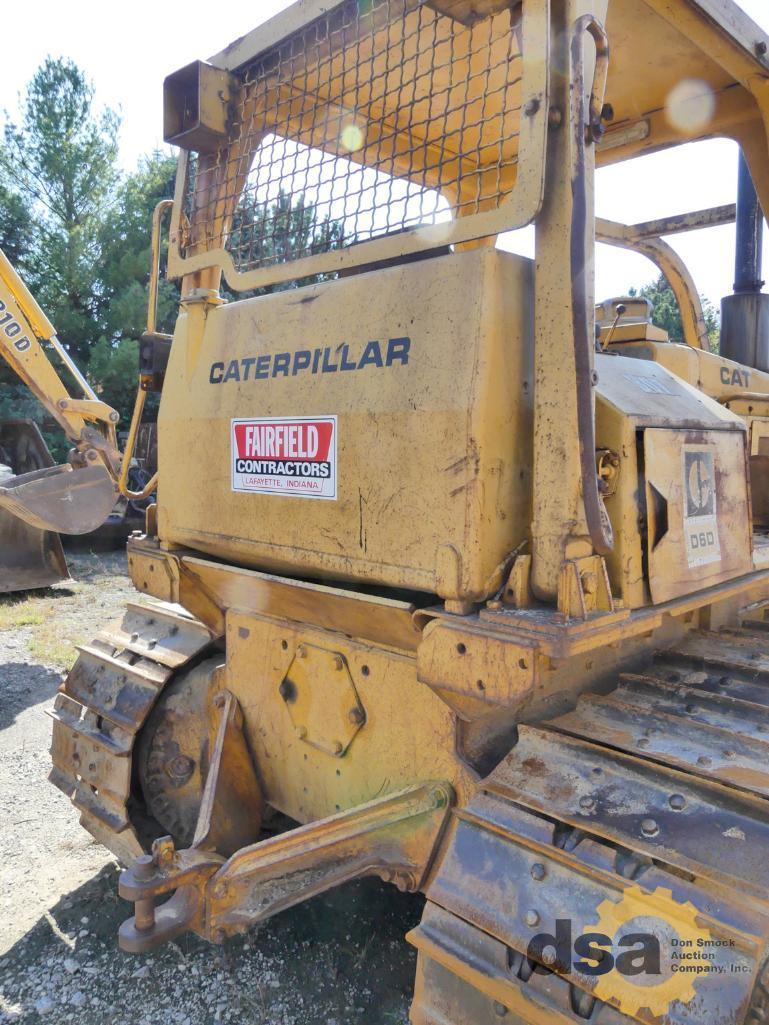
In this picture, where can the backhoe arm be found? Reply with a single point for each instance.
(22, 324)
(76, 497)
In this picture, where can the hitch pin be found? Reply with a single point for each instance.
(144, 909)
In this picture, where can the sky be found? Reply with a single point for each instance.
(127, 50)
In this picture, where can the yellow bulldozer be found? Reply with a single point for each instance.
(464, 576)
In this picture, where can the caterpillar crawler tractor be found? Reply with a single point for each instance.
(39, 500)
(467, 582)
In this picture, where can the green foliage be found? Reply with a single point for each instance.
(666, 314)
(281, 231)
(16, 229)
(59, 159)
(125, 241)
(79, 233)
(113, 371)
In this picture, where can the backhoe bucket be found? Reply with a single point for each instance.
(60, 498)
(29, 557)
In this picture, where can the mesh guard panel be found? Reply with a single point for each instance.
(379, 117)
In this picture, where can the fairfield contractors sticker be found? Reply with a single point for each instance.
(292, 456)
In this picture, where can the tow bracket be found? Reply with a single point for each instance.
(394, 837)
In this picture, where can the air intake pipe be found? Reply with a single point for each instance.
(745, 315)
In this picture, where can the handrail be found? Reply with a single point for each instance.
(586, 131)
(141, 395)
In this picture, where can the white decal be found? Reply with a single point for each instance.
(290, 456)
(700, 514)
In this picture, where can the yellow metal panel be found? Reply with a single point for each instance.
(408, 735)
(433, 450)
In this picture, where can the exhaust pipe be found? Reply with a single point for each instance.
(745, 315)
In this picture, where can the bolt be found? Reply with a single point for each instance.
(92, 455)
(219, 700)
(730, 754)
(356, 716)
(301, 732)
(439, 799)
(538, 871)
(531, 918)
(704, 760)
(338, 663)
(677, 802)
(180, 768)
(642, 742)
(587, 803)
(114, 417)
(589, 583)
(531, 107)
(337, 747)
(163, 851)
(301, 651)
(499, 1009)
(761, 48)
(555, 117)
(649, 827)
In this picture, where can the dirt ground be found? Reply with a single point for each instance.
(337, 959)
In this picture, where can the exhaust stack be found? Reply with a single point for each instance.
(745, 315)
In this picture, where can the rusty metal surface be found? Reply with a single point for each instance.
(232, 805)
(533, 874)
(610, 799)
(395, 837)
(694, 221)
(172, 750)
(697, 826)
(371, 617)
(103, 703)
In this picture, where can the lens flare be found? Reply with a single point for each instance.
(690, 106)
(352, 137)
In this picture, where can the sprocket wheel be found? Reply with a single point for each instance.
(173, 752)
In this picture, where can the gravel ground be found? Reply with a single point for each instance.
(337, 959)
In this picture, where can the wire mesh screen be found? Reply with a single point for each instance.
(380, 116)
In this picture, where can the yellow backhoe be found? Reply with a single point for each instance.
(38, 500)
(466, 580)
